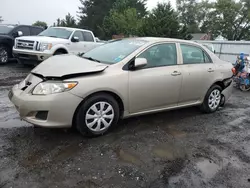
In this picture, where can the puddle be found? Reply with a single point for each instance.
(128, 157)
(170, 151)
(175, 133)
(33, 159)
(67, 152)
(208, 168)
(238, 121)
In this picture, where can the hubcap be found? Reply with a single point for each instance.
(214, 99)
(99, 116)
(3, 56)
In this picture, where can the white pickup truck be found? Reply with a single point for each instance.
(53, 41)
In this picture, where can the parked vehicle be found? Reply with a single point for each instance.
(242, 73)
(125, 78)
(53, 41)
(8, 33)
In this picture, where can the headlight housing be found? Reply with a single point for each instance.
(45, 46)
(47, 88)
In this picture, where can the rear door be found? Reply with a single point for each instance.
(198, 73)
(90, 42)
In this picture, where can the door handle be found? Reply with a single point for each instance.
(210, 70)
(175, 73)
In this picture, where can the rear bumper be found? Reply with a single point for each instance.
(228, 91)
(30, 55)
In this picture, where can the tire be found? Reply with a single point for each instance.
(4, 55)
(58, 53)
(212, 100)
(223, 101)
(89, 127)
(244, 88)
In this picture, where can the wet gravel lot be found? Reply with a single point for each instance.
(181, 148)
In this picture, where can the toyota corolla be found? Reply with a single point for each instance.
(125, 78)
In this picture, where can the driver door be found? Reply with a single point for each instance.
(157, 85)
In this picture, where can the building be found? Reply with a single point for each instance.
(201, 36)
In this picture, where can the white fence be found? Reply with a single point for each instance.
(228, 50)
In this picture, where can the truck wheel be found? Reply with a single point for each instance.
(58, 53)
(4, 55)
(97, 115)
(212, 99)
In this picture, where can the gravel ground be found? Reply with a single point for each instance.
(183, 148)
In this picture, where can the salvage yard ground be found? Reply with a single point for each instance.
(182, 148)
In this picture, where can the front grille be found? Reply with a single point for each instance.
(26, 44)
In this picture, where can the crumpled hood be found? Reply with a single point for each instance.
(43, 39)
(67, 65)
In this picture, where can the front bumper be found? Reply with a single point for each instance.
(52, 111)
(29, 55)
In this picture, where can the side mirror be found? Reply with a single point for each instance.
(140, 62)
(75, 39)
(20, 33)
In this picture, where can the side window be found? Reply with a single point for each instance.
(35, 31)
(194, 55)
(160, 55)
(79, 35)
(88, 36)
(25, 30)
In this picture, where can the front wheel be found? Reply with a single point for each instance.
(97, 115)
(212, 100)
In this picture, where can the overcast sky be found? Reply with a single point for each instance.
(29, 11)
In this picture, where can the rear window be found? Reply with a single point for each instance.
(88, 36)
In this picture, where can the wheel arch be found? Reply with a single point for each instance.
(113, 94)
(219, 83)
(63, 50)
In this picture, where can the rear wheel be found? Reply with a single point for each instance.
(97, 115)
(212, 100)
(4, 55)
(244, 87)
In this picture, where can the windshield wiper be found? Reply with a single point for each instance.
(92, 59)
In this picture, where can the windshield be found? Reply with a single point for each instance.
(5, 29)
(114, 52)
(62, 33)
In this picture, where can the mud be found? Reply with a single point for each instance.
(183, 148)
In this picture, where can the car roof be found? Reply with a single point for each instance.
(17, 25)
(161, 39)
(72, 29)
